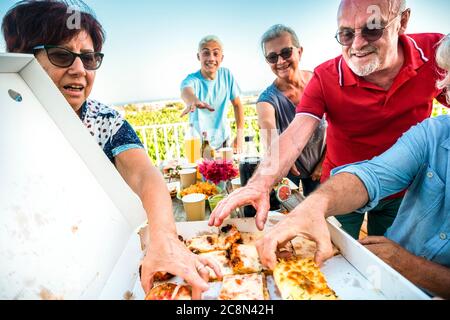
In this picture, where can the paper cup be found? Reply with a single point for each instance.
(188, 177)
(189, 166)
(192, 166)
(194, 206)
(236, 183)
(226, 154)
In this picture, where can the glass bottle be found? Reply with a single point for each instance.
(192, 144)
(247, 167)
(248, 163)
(207, 150)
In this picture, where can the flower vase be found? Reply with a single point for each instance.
(222, 185)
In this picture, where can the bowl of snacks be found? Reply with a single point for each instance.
(214, 201)
(208, 189)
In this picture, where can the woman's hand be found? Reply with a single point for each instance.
(238, 144)
(169, 254)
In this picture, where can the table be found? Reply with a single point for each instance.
(180, 216)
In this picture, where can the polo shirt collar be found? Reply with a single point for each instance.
(414, 59)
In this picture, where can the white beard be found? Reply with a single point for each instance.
(366, 69)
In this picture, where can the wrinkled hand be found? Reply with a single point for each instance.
(237, 144)
(309, 224)
(198, 104)
(170, 255)
(248, 195)
(388, 251)
(317, 173)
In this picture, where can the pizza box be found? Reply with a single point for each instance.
(68, 221)
(355, 274)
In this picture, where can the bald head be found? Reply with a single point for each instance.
(387, 7)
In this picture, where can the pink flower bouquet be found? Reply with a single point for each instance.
(218, 171)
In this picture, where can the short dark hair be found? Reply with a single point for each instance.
(30, 23)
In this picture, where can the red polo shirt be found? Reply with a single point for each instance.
(365, 120)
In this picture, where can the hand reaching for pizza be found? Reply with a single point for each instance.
(169, 254)
(307, 221)
(248, 195)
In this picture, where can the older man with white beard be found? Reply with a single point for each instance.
(381, 85)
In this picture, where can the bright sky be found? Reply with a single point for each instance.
(151, 46)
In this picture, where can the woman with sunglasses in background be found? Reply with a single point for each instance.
(276, 105)
(71, 57)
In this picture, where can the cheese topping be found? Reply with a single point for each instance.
(301, 279)
(244, 287)
(245, 259)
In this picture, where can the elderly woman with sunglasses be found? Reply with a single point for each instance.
(276, 105)
(71, 57)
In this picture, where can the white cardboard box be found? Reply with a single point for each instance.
(68, 221)
(355, 274)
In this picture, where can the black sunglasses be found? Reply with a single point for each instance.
(285, 53)
(346, 36)
(63, 58)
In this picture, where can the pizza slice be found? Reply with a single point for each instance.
(245, 259)
(204, 243)
(170, 291)
(250, 237)
(305, 248)
(228, 235)
(301, 279)
(221, 258)
(244, 287)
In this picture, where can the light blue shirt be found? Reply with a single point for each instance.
(217, 93)
(419, 161)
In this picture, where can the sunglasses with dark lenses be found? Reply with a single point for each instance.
(285, 53)
(63, 58)
(346, 36)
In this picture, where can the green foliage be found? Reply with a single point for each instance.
(170, 114)
(438, 109)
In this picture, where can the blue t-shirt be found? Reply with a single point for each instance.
(419, 161)
(217, 93)
(112, 133)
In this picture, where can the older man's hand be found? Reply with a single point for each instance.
(388, 251)
(248, 195)
(170, 255)
(304, 221)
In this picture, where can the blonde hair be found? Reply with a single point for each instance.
(443, 61)
(208, 39)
